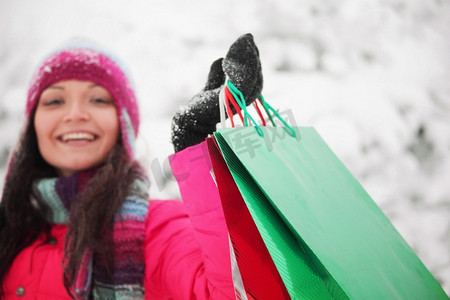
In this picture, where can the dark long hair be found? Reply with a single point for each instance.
(21, 217)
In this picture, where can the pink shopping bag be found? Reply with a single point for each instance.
(191, 168)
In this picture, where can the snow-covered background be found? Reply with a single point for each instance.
(372, 76)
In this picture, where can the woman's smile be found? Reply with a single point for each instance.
(77, 137)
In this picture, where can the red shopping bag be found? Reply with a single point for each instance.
(259, 274)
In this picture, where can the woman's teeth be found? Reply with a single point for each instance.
(77, 136)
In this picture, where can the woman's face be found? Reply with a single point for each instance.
(76, 125)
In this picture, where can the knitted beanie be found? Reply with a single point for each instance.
(84, 63)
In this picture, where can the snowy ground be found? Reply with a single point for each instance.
(371, 76)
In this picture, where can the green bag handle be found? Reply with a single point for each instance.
(239, 97)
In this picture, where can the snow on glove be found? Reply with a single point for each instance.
(193, 122)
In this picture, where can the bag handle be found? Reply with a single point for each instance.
(239, 99)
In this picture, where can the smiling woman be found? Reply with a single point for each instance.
(75, 216)
(76, 125)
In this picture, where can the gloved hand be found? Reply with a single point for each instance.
(193, 122)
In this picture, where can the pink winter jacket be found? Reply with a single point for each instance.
(181, 261)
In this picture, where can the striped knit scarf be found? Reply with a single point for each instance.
(128, 238)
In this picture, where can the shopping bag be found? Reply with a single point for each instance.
(192, 168)
(319, 225)
(260, 276)
(292, 259)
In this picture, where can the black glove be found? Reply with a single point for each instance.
(192, 123)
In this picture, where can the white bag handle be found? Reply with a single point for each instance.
(222, 107)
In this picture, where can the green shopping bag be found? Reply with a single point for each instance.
(326, 236)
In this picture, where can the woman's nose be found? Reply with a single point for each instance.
(76, 111)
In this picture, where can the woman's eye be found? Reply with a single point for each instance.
(54, 102)
(101, 101)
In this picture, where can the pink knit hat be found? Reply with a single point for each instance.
(88, 64)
